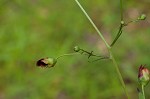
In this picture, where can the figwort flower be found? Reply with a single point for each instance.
(143, 75)
(46, 62)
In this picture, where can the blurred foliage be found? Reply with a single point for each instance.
(33, 29)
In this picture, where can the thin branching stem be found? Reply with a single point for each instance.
(89, 53)
(107, 45)
(118, 35)
(70, 54)
(121, 25)
(100, 34)
(119, 73)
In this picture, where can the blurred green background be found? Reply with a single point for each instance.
(33, 29)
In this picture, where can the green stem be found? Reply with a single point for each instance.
(89, 53)
(118, 35)
(100, 34)
(119, 73)
(143, 92)
(67, 55)
(121, 25)
(121, 9)
(108, 46)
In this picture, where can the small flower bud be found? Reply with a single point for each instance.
(122, 22)
(76, 49)
(46, 62)
(142, 17)
(143, 75)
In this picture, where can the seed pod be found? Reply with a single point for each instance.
(46, 62)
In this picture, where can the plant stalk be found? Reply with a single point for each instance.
(100, 34)
(70, 54)
(121, 9)
(143, 92)
(119, 73)
(107, 45)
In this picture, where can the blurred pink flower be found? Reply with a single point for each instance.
(143, 75)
